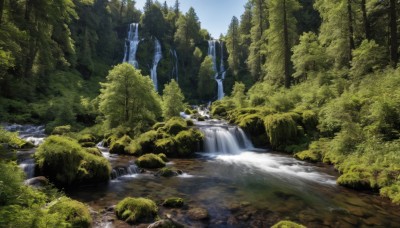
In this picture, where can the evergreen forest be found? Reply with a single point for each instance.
(314, 81)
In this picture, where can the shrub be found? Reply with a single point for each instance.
(65, 162)
(136, 210)
(173, 202)
(310, 121)
(150, 161)
(74, 212)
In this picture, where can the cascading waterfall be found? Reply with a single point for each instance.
(225, 140)
(175, 72)
(131, 45)
(156, 60)
(122, 171)
(212, 52)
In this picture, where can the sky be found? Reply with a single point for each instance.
(214, 15)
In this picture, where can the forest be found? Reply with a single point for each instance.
(316, 80)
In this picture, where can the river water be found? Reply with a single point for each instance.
(243, 188)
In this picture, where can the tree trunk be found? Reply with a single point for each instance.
(1, 9)
(365, 20)
(286, 46)
(351, 30)
(393, 33)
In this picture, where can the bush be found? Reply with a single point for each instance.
(174, 202)
(74, 212)
(150, 161)
(65, 162)
(120, 146)
(136, 210)
(310, 121)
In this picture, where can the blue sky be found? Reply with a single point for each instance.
(214, 15)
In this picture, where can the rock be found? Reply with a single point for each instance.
(166, 223)
(173, 202)
(136, 210)
(198, 214)
(232, 221)
(167, 172)
(37, 182)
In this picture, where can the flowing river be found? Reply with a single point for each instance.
(241, 186)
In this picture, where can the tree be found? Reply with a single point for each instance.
(232, 46)
(172, 100)
(367, 58)
(258, 46)
(281, 37)
(394, 46)
(238, 95)
(206, 86)
(129, 99)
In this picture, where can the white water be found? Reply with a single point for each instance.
(175, 72)
(130, 171)
(131, 45)
(33, 134)
(212, 52)
(156, 60)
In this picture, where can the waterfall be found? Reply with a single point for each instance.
(174, 65)
(131, 45)
(156, 60)
(225, 140)
(213, 54)
(121, 171)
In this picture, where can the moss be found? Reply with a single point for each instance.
(150, 161)
(94, 150)
(118, 147)
(136, 210)
(88, 144)
(86, 138)
(187, 142)
(218, 109)
(163, 157)
(392, 192)
(281, 128)
(74, 212)
(158, 125)
(188, 111)
(12, 140)
(61, 130)
(173, 202)
(309, 155)
(356, 178)
(168, 172)
(287, 224)
(166, 145)
(189, 123)
(65, 162)
(175, 125)
(310, 121)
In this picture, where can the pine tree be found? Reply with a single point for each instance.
(281, 37)
(206, 86)
(233, 47)
(172, 100)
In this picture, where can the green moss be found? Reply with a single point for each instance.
(86, 138)
(357, 178)
(392, 192)
(166, 145)
(175, 125)
(173, 202)
(167, 172)
(150, 161)
(65, 162)
(163, 157)
(88, 144)
(281, 129)
(309, 155)
(287, 224)
(118, 146)
(158, 125)
(189, 123)
(310, 120)
(187, 142)
(188, 111)
(74, 212)
(11, 139)
(94, 150)
(136, 210)
(61, 130)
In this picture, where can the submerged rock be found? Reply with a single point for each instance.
(198, 214)
(166, 223)
(173, 202)
(37, 182)
(168, 172)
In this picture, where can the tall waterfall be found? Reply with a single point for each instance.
(225, 140)
(156, 59)
(213, 54)
(131, 45)
(175, 72)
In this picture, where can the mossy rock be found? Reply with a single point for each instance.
(74, 212)
(287, 224)
(136, 210)
(63, 161)
(12, 140)
(175, 125)
(163, 157)
(86, 138)
(357, 179)
(94, 150)
(188, 111)
(118, 147)
(218, 110)
(150, 161)
(88, 144)
(189, 123)
(158, 125)
(186, 142)
(166, 145)
(173, 202)
(61, 130)
(392, 192)
(168, 172)
(281, 129)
